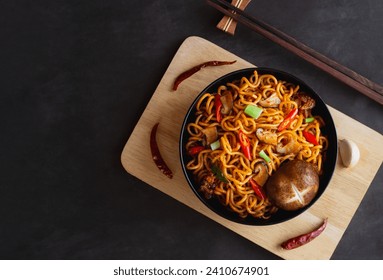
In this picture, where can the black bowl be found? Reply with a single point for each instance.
(328, 164)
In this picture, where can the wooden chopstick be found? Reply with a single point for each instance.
(342, 73)
(228, 24)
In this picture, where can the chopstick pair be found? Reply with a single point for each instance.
(342, 73)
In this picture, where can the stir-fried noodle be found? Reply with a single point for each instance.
(270, 144)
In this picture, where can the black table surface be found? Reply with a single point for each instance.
(77, 75)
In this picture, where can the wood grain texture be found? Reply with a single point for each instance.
(339, 202)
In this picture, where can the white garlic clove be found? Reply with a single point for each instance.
(349, 152)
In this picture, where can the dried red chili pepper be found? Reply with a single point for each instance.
(156, 155)
(195, 69)
(304, 238)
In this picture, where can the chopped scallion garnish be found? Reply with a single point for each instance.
(308, 120)
(215, 145)
(263, 155)
(253, 111)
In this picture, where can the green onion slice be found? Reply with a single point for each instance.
(215, 145)
(253, 111)
(308, 120)
(263, 155)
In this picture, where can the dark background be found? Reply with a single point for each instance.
(77, 75)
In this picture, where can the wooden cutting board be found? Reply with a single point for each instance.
(339, 202)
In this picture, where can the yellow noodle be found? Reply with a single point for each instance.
(237, 194)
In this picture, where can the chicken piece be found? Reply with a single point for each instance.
(291, 147)
(266, 136)
(272, 101)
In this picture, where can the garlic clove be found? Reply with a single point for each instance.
(349, 152)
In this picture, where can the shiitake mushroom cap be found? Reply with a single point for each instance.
(293, 185)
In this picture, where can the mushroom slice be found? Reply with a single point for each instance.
(272, 101)
(266, 136)
(261, 174)
(210, 135)
(227, 102)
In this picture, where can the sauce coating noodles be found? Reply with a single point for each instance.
(233, 187)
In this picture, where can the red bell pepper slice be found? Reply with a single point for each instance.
(257, 189)
(218, 106)
(310, 137)
(287, 121)
(245, 144)
(195, 150)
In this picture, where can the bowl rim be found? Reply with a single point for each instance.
(331, 165)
